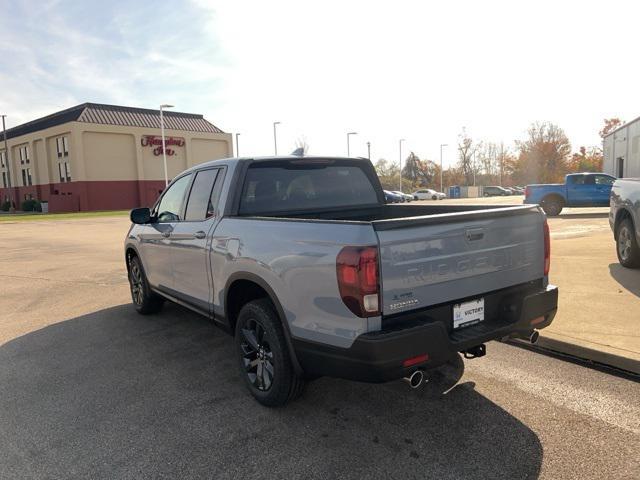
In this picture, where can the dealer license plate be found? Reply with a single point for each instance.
(468, 313)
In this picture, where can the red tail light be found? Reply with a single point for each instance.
(527, 191)
(547, 248)
(358, 280)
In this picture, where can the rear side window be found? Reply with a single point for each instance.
(577, 179)
(200, 205)
(170, 205)
(269, 189)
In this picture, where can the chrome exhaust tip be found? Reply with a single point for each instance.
(415, 379)
(533, 336)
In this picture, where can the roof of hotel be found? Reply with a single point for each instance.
(117, 115)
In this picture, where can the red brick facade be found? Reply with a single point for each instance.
(90, 195)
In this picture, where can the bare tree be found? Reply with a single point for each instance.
(466, 150)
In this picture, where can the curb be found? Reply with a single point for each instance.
(584, 353)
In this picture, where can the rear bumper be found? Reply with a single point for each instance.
(378, 356)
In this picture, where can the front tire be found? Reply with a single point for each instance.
(263, 356)
(627, 245)
(143, 298)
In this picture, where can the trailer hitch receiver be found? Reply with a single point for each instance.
(475, 352)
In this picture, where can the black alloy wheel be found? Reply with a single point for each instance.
(257, 355)
(136, 283)
(143, 298)
(263, 355)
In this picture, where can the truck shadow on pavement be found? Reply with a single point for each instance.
(113, 394)
(627, 277)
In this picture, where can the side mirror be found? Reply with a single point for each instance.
(140, 216)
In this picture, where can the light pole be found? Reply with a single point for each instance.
(275, 138)
(349, 135)
(369, 150)
(474, 168)
(164, 153)
(400, 158)
(441, 145)
(237, 145)
(8, 160)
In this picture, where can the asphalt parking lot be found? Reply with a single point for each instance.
(90, 389)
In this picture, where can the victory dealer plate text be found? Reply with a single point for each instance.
(468, 313)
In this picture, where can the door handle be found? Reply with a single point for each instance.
(199, 234)
(166, 233)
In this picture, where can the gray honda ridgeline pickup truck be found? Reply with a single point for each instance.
(303, 262)
(624, 218)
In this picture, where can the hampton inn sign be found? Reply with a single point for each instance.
(156, 143)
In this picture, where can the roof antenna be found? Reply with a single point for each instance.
(298, 152)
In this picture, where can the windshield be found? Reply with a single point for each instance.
(271, 189)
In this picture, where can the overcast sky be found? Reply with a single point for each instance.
(388, 70)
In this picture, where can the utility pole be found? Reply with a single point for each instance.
(501, 160)
(473, 166)
(369, 150)
(349, 135)
(7, 158)
(400, 155)
(275, 138)
(441, 145)
(164, 152)
(237, 146)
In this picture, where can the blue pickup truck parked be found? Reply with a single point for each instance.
(578, 190)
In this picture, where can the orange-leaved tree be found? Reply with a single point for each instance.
(543, 156)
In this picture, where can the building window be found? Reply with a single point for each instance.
(5, 184)
(26, 177)
(64, 171)
(62, 146)
(3, 159)
(24, 155)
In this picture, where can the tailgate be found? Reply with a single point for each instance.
(441, 258)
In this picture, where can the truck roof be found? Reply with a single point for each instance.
(230, 160)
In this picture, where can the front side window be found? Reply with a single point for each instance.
(604, 180)
(170, 205)
(200, 205)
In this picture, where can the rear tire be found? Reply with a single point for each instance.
(143, 298)
(263, 355)
(552, 206)
(627, 245)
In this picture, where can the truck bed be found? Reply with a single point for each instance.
(431, 254)
(391, 216)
